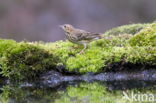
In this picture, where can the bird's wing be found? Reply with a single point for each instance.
(84, 35)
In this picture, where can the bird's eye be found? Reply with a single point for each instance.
(65, 26)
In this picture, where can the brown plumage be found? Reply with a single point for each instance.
(79, 36)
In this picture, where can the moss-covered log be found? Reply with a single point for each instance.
(135, 44)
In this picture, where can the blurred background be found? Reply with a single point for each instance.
(39, 20)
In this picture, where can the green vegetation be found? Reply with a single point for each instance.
(103, 52)
(98, 55)
(26, 60)
(127, 29)
(146, 37)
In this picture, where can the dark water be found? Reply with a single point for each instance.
(83, 91)
(79, 92)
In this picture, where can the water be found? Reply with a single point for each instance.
(81, 92)
(110, 87)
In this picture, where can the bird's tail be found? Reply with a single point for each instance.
(105, 37)
(102, 36)
(96, 36)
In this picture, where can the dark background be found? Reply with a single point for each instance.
(39, 20)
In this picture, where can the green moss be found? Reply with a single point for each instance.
(139, 55)
(126, 29)
(103, 52)
(6, 45)
(97, 55)
(23, 60)
(146, 37)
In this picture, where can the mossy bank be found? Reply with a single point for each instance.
(131, 44)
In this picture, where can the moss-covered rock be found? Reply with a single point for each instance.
(127, 29)
(104, 52)
(25, 60)
(97, 55)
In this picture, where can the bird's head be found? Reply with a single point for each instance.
(67, 27)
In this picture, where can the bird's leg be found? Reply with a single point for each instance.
(85, 47)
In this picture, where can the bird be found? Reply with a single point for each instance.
(80, 37)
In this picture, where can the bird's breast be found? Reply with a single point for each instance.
(71, 38)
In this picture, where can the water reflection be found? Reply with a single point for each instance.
(74, 92)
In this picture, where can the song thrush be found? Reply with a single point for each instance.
(78, 36)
